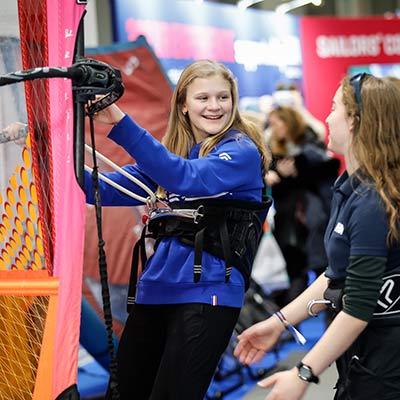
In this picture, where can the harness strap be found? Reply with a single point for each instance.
(226, 248)
(229, 230)
(138, 250)
(198, 254)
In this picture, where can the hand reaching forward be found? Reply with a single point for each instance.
(16, 131)
(285, 385)
(255, 341)
(110, 115)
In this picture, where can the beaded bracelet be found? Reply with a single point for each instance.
(298, 337)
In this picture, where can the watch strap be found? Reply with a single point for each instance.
(309, 377)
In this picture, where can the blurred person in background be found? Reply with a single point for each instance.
(289, 95)
(300, 177)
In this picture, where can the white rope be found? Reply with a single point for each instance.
(119, 187)
(155, 211)
(151, 201)
(133, 179)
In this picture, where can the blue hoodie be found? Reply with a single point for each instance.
(232, 170)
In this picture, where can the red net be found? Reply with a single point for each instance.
(34, 50)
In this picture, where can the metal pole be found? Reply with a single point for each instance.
(79, 115)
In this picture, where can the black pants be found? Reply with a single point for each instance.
(370, 369)
(170, 352)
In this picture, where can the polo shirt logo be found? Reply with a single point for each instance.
(339, 228)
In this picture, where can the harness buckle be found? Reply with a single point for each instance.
(151, 204)
(198, 214)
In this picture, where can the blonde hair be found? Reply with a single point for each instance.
(376, 138)
(179, 138)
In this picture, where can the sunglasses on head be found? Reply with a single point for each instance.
(356, 82)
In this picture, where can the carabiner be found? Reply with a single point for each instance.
(313, 303)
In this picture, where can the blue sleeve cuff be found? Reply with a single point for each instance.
(127, 132)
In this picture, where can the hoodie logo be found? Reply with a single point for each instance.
(339, 228)
(225, 156)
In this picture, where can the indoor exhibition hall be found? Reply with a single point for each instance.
(199, 199)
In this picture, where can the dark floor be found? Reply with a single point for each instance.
(236, 381)
(240, 382)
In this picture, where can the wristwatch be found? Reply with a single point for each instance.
(306, 373)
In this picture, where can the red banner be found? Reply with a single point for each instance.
(330, 46)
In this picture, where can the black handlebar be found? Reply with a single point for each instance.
(89, 78)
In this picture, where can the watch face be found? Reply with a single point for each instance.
(305, 373)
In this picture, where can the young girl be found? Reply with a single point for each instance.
(362, 281)
(188, 298)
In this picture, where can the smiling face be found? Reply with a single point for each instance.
(209, 105)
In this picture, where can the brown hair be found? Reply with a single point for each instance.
(179, 138)
(376, 139)
(295, 124)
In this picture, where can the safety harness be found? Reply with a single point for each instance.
(228, 229)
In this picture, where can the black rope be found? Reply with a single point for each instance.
(105, 292)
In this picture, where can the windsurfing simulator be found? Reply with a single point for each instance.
(90, 78)
(42, 201)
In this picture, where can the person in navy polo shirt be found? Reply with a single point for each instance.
(362, 281)
(208, 175)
